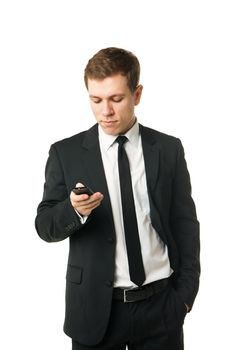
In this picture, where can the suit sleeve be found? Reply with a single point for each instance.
(185, 230)
(56, 219)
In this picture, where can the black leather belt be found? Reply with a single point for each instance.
(141, 293)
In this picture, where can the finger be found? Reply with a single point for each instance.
(79, 184)
(88, 205)
(84, 199)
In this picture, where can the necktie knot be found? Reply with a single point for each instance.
(121, 140)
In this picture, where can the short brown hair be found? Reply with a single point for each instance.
(111, 61)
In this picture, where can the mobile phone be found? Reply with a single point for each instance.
(83, 190)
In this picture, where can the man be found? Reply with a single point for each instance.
(133, 267)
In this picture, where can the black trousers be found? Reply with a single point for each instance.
(152, 324)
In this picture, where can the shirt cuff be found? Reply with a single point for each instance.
(82, 218)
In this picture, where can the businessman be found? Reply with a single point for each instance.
(133, 266)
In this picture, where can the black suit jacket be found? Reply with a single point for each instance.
(90, 271)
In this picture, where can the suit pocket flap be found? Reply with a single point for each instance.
(74, 274)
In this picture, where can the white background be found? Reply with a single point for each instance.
(185, 50)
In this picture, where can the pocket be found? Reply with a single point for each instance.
(181, 307)
(175, 310)
(74, 274)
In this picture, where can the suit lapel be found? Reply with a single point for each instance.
(95, 170)
(151, 154)
(151, 158)
(93, 161)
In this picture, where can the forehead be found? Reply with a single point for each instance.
(116, 84)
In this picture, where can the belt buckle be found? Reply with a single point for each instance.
(125, 296)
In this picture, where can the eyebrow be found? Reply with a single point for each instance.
(115, 95)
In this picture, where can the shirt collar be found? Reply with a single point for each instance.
(108, 140)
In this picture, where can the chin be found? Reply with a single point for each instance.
(110, 131)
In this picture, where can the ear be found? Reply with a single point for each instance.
(138, 94)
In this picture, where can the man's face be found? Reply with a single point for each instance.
(113, 103)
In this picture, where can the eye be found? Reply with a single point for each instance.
(95, 100)
(117, 99)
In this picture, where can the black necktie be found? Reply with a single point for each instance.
(136, 269)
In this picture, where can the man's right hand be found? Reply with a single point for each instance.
(84, 204)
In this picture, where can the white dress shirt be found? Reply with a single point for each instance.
(154, 251)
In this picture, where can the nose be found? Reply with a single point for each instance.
(107, 109)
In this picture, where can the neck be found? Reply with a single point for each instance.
(130, 125)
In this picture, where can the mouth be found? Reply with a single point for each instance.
(108, 122)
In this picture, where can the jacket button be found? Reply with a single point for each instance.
(110, 240)
(109, 283)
